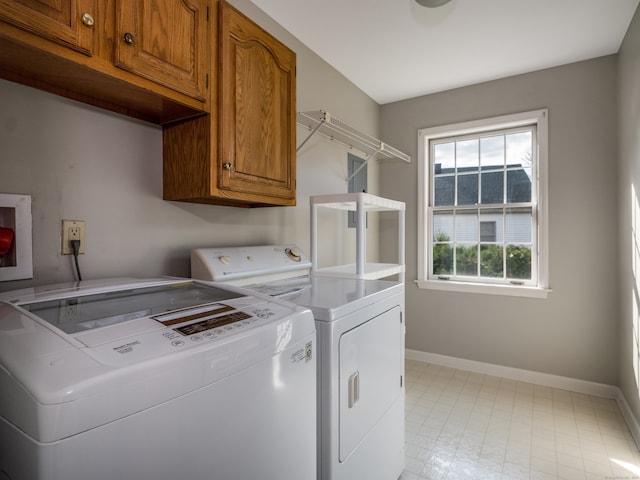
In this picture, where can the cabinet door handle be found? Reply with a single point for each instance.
(227, 166)
(87, 20)
(129, 38)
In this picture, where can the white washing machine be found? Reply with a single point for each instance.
(155, 380)
(360, 332)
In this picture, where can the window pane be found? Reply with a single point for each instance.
(467, 259)
(492, 153)
(492, 187)
(443, 191)
(468, 189)
(519, 225)
(442, 259)
(519, 149)
(444, 159)
(491, 225)
(519, 262)
(519, 185)
(442, 227)
(467, 153)
(444, 162)
(466, 226)
(491, 260)
(442, 250)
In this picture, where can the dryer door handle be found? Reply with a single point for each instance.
(354, 389)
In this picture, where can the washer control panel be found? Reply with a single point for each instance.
(218, 323)
(212, 321)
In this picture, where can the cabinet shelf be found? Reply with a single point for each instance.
(327, 125)
(361, 203)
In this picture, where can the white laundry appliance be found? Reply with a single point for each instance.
(159, 379)
(360, 330)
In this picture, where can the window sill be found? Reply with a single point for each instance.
(483, 288)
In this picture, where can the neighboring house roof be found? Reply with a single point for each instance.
(491, 185)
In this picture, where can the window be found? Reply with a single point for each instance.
(483, 206)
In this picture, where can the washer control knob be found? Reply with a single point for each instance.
(294, 254)
(224, 259)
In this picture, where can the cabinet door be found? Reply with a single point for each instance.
(257, 110)
(164, 41)
(68, 22)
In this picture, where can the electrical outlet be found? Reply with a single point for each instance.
(72, 230)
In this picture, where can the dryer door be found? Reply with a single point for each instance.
(370, 376)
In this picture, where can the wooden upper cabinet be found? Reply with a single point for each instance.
(243, 153)
(257, 81)
(164, 41)
(148, 59)
(67, 22)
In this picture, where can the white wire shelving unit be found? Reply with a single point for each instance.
(319, 121)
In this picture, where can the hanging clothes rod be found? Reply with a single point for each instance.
(322, 122)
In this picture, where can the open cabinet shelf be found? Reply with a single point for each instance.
(361, 203)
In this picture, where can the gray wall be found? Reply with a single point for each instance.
(629, 197)
(574, 331)
(79, 162)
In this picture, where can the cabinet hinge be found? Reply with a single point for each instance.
(401, 318)
(400, 381)
(207, 13)
(206, 81)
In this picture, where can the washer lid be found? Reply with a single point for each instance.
(82, 313)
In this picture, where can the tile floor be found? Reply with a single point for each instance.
(463, 425)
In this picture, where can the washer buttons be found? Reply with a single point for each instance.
(177, 343)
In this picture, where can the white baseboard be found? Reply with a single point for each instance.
(630, 418)
(544, 379)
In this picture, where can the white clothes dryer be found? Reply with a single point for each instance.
(360, 330)
(155, 380)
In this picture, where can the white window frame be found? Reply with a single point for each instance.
(539, 118)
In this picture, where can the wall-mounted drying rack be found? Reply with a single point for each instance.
(319, 121)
